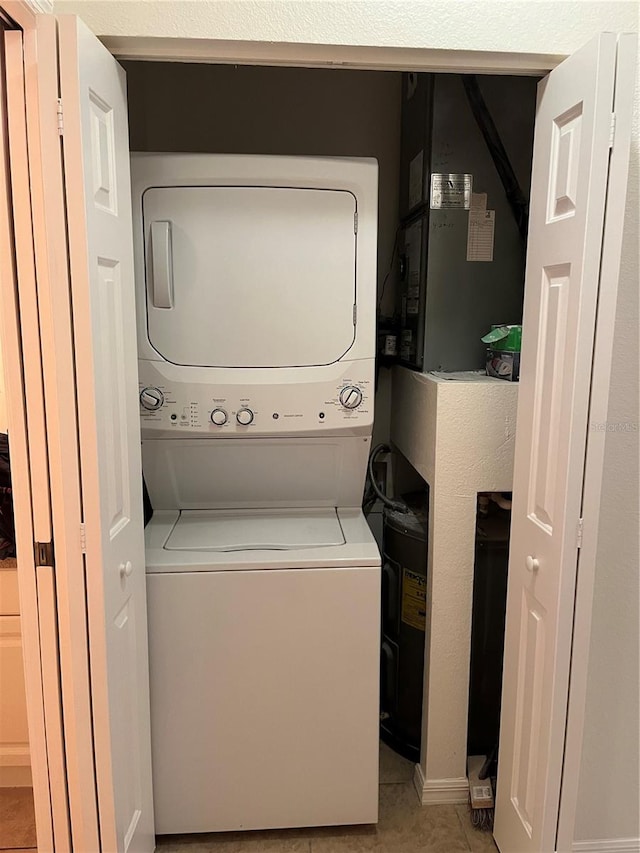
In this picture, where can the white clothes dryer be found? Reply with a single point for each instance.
(256, 328)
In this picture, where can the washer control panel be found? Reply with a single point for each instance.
(183, 407)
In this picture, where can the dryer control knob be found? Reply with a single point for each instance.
(244, 416)
(351, 397)
(219, 417)
(151, 399)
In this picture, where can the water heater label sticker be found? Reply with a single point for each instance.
(480, 236)
(478, 201)
(451, 191)
(414, 599)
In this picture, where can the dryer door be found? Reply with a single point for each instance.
(250, 276)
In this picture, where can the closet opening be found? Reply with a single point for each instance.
(454, 156)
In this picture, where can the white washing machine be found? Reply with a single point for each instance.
(256, 283)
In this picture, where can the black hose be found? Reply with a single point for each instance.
(398, 506)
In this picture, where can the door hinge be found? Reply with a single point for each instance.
(579, 532)
(355, 315)
(44, 554)
(612, 130)
(355, 222)
(83, 538)
(60, 117)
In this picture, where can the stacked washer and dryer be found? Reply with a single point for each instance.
(256, 283)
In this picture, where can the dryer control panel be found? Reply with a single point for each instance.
(178, 408)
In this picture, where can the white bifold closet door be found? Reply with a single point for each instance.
(96, 163)
(573, 140)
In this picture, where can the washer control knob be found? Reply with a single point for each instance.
(244, 416)
(219, 417)
(151, 399)
(351, 397)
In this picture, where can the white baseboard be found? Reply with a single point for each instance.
(610, 845)
(440, 791)
(15, 776)
(15, 765)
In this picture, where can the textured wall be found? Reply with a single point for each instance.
(460, 436)
(540, 27)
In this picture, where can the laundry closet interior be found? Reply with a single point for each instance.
(446, 430)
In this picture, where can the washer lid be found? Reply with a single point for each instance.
(255, 529)
(250, 276)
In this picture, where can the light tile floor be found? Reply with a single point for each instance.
(404, 827)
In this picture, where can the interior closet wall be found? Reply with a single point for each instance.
(261, 110)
